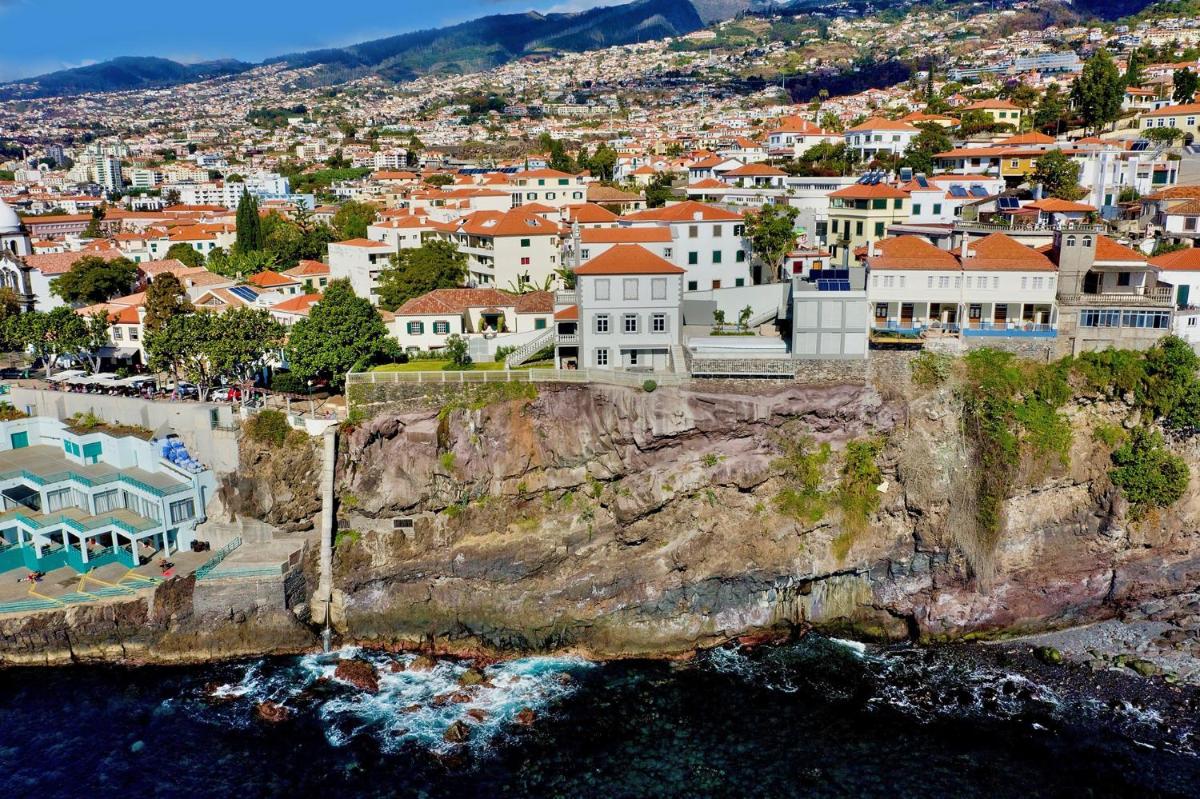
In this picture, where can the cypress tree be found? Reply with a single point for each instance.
(249, 225)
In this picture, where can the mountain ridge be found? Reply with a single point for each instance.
(478, 44)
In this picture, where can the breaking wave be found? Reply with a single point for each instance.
(412, 707)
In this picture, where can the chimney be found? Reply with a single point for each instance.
(965, 242)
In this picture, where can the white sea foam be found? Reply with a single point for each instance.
(413, 706)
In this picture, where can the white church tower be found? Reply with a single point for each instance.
(13, 238)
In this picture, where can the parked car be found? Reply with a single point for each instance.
(227, 394)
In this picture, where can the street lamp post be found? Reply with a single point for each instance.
(311, 412)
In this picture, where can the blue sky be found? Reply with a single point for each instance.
(39, 36)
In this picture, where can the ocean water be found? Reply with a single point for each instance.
(815, 718)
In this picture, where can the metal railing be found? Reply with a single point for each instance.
(88, 525)
(91, 482)
(530, 348)
(1158, 295)
(218, 556)
(603, 376)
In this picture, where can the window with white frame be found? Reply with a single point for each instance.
(658, 323)
(658, 288)
(602, 323)
(182, 510)
(995, 283)
(602, 357)
(630, 288)
(943, 281)
(602, 288)
(630, 324)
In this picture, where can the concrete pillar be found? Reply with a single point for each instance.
(323, 602)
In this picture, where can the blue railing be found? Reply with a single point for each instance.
(217, 557)
(91, 482)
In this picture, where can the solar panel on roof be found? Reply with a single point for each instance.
(922, 181)
(1140, 145)
(979, 191)
(958, 191)
(245, 293)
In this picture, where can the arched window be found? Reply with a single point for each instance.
(1087, 241)
(1070, 241)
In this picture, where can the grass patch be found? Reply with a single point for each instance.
(345, 538)
(447, 461)
(857, 493)
(802, 466)
(88, 422)
(931, 369)
(268, 427)
(437, 365)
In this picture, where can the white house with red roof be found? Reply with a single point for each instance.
(878, 135)
(795, 135)
(1181, 271)
(425, 322)
(547, 187)
(625, 313)
(360, 261)
(991, 286)
(507, 250)
(707, 242)
(593, 242)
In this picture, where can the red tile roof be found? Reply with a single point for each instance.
(1109, 250)
(568, 314)
(686, 211)
(628, 259)
(268, 279)
(879, 123)
(910, 252)
(1179, 261)
(1002, 252)
(862, 191)
(625, 235)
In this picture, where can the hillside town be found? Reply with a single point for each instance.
(1021, 184)
(565, 401)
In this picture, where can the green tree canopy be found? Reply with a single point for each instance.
(96, 327)
(1099, 91)
(1186, 85)
(1051, 109)
(932, 140)
(353, 218)
(92, 279)
(52, 334)
(236, 265)
(242, 338)
(186, 254)
(772, 234)
(341, 333)
(165, 298)
(1058, 175)
(433, 265)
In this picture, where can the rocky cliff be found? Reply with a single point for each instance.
(619, 522)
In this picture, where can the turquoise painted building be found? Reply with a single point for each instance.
(84, 500)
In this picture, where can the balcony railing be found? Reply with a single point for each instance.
(569, 297)
(568, 339)
(1158, 296)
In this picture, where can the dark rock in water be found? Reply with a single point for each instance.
(564, 679)
(460, 697)
(318, 689)
(410, 708)
(271, 712)
(441, 700)
(359, 673)
(1048, 655)
(212, 692)
(396, 666)
(423, 663)
(478, 714)
(1144, 667)
(526, 716)
(472, 676)
(457, 733)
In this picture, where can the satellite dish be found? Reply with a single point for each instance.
(1147, 246)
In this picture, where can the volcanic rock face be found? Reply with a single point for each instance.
(619, 522)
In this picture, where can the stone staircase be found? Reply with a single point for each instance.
(679, 360)
(530, 348)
